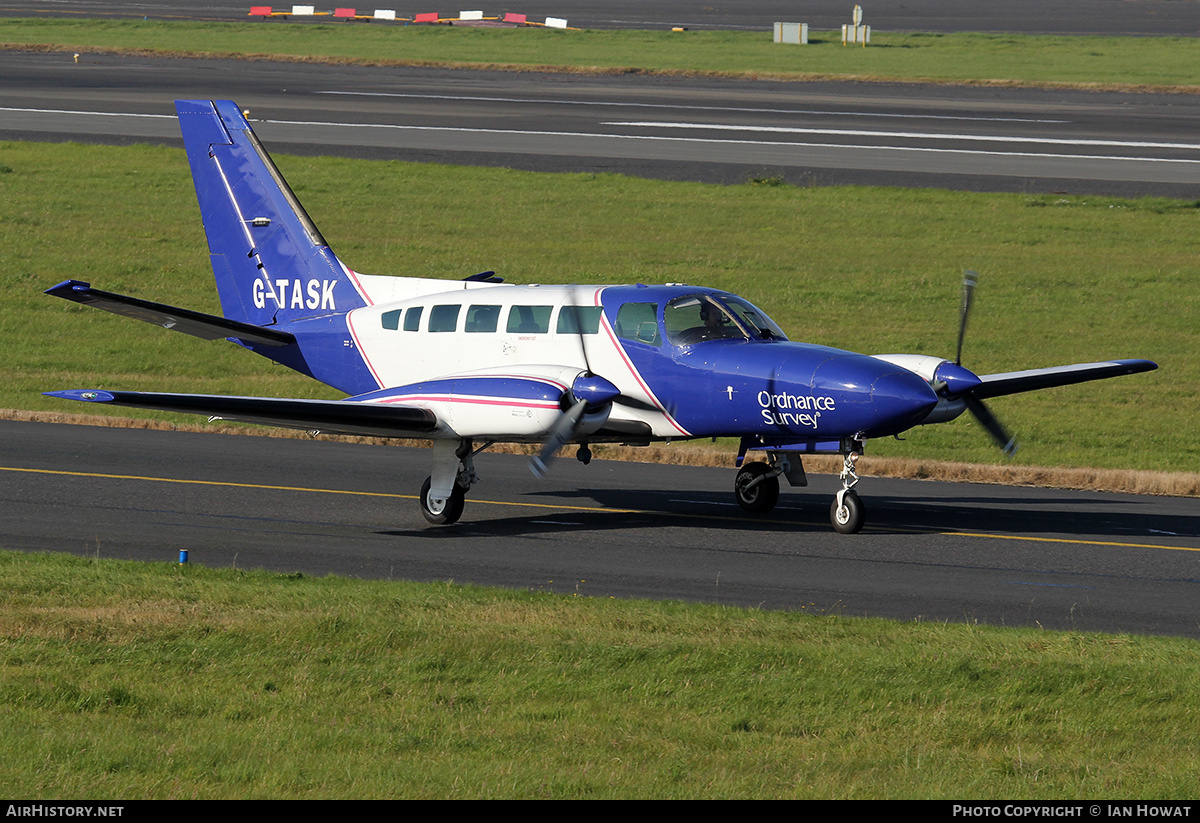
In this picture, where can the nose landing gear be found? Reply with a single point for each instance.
(848, 514)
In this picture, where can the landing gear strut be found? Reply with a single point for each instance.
(848, 514)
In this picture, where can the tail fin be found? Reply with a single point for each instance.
(271, 263)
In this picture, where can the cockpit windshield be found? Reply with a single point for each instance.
(700, 317)
(754, 318)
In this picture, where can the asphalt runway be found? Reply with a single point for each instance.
(1115, 17)
(931, 551)
(1023, 140)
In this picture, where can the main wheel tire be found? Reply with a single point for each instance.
(444, 512)
(761, 497)
(850, 516)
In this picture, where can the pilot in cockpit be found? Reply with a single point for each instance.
(712, 316)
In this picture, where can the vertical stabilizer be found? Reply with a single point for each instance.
(271, 263)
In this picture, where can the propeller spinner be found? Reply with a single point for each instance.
(588, 392)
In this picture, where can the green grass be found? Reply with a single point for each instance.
(963, 57)
(127, 680)
(1064, 279)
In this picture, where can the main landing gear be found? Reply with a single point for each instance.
(444, 492)
(442, 511)
(756, 486)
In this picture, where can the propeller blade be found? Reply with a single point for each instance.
(573, 306)
(970, 280)
(560, 435)
(1006, 442)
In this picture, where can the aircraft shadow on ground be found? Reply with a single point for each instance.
(809, 512)
(1031, 514)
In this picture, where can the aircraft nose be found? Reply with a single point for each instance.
(901, 400)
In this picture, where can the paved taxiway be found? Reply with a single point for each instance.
(717, 131)
(933, 551)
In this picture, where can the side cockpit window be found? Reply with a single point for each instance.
(638, 321)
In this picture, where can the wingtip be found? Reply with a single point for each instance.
(66, 287)
(85, 395)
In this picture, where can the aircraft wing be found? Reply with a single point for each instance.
(325, 416)
(998, 385)
(197, 324)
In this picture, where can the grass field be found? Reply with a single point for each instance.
(127, 680)
(1116, 62)
(1064, 279)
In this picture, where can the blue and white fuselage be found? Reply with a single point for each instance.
(495, 361)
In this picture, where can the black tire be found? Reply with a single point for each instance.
(849, 519)
(451, 508)
(761, 498)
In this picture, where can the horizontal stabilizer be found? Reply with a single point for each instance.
(998, 385)
(326, 416)
(197, 324)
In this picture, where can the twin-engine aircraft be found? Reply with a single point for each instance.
(481, 362)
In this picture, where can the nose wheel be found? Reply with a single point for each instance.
(848, 514)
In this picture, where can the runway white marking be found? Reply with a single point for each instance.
(911, 135)
(97, 113)
(741, 109)
(731, 142)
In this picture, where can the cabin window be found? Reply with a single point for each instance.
(697, 318)
(529, 319)
(579, 319)
(638, 321)
(482, 318)
(391, 319)
(443, 318)
(412, 318)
